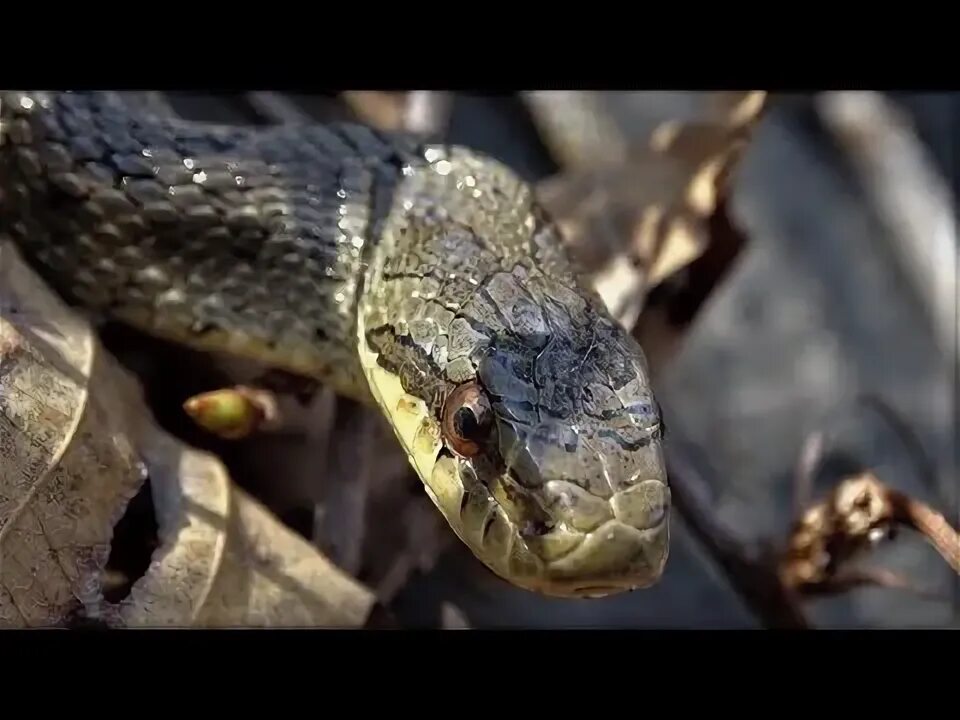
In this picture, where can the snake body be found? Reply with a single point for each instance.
(419, 277)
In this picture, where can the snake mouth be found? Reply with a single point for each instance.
(626, 551)
(591, 591)
(583, 553)
(612, 559)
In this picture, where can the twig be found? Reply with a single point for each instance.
(929, 523)
(807, 464)
(857, 514)
(908, 436)
(339, 523)
(753, 577)
(854, 578)
(908, 194)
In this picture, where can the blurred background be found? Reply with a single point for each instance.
(816, 269)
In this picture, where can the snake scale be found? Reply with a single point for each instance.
(421, 278)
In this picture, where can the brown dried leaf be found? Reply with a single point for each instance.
(63, 481)
(856, 515)
(226, 561)
(643, 173)
(385, 110)
(76, 442)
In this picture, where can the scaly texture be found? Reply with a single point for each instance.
(415, 274)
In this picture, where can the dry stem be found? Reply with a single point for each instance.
(929, 523)
(859, 513)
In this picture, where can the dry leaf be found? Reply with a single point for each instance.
(857, 514)
(64, 482)
(642, 174)
(76, 443)
(341, 460)
(225, 561)
(385, 110)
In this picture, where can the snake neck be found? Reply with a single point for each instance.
(263, 242)
(251, 241)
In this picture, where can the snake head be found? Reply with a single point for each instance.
(542, 447)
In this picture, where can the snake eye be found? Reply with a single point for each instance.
(467, 419)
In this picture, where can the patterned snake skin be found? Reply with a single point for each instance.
(421, 278)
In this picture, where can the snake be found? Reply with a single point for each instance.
(419, 277)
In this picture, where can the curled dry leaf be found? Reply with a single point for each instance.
(63, 481)
(641, 176)
(76, 444)
(860, 512)
(225, 561)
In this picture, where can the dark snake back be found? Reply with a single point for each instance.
(196, 231)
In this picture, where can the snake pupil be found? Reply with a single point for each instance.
(467, 419)
(466, 424)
